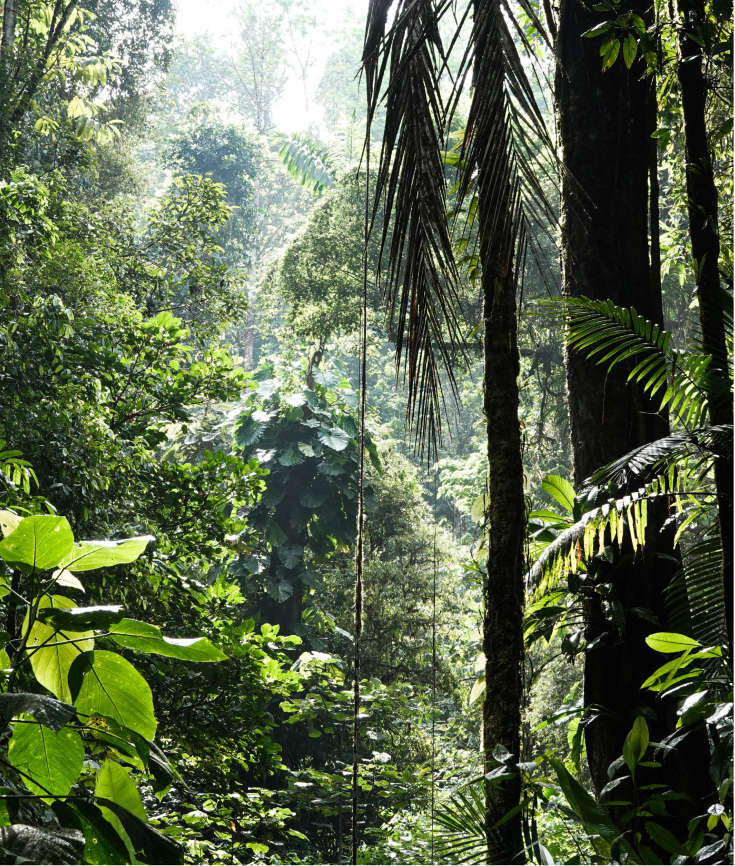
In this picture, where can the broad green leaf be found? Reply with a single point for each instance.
(290, 457)
(331, 470)
(143, 637)
(114, 786)
(156, 847)
(313, 498)
(79, 618)
(111, 686)
(478, 690)
(290, 554)
(663, 838)
(561, 490)
(630, 49)
(593, 817)
(334, 438)
(636, 743)
(549, 516)
(39, 542)
(114, 783)
(48, 711)
(479, 508)
(51, 761)
(609, 52)
(53, 652)
(62, 577)
(670, 642)
(88, 555)
(102, 843)
(597, 30)
(9, 521)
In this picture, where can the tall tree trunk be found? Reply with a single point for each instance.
(604, 121)
(503, 591)
(10, 15)
(703, 231)
(503, 595)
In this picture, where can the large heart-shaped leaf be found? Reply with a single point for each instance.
(146, 638)
(52, 652)
(50, 761)
(88, 555)
(106, 684)
(40, 542)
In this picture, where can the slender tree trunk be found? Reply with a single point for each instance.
(703, 231)
(503, 596)
(503, 590)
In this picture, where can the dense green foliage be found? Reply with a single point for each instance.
(180, 288)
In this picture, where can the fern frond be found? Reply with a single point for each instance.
(694, 599)
(461, 825)
(612, 335)
(607, 524)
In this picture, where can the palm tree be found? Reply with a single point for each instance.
(404, 60)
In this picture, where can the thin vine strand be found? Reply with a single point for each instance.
(433, 669)
(359, 557)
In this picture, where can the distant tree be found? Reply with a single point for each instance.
(231, 157)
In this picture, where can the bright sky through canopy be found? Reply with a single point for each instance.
(218, 18)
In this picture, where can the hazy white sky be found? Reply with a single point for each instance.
(215, 17)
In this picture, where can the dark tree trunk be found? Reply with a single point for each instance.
(604, 121)
(503, 596)
(503, 590)
(703, 231)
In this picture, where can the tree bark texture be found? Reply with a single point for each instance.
(10, 14)
(703, 231)
(503, 596)
(503, 590)
(604, 121)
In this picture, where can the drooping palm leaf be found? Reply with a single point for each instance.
(421, 274)
(403, 61)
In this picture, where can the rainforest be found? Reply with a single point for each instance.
(366, 414)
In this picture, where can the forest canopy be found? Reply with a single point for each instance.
(366, 454)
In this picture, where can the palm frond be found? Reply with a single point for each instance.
(307, 161)
(421, 283)
(693, 451)
(463, 835)
(498, 153)
(672, 469)
(612, 335)
(695, 597)
(505, 135)
(461, 825)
